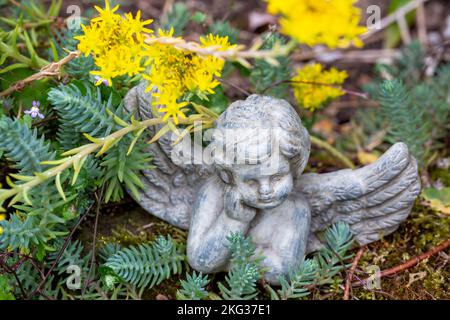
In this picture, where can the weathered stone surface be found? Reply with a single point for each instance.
(260, 190)
(170, 189)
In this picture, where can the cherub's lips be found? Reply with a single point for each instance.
(266, 200)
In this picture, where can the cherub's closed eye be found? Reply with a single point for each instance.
(252, 182)
(276, 177)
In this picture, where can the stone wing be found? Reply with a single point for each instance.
(170, 189)
(373, 200)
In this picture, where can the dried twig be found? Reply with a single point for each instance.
(99, 198)
(147, 226)
(60, 253)
(411, 262)
(422, 25)
(350, 273)
(236, 87)
(347, 91)
(43, 122)
(237, 53)
(53, 69)
(375, 290)
(14, 273)
(408, 264)
(33, 262)
(17, 4)
(350, 56)
(404, 28)
(168, 5)
(393, 17)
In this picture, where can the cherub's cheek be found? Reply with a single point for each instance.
(284, 188)
(248, 193)
(252, 195)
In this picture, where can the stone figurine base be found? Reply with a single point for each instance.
(252, 183)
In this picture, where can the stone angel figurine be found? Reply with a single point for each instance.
(253, 183)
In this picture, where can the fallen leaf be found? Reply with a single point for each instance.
(325, 128)
(438, 199)
(413, 277)
(260, 19)
(366, 157)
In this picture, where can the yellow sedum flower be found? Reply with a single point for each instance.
(118, 46)
(167, 102)
(216, 41)
(116, 43)
(311, 22)
(314, 87)
(2, 217)
(174, 73)
(136, 27)
(202, 80)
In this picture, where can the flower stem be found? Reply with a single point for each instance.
(76, 156)
(337, 86)
(333, 151)
(48, 70)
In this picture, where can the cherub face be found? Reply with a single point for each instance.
(264, 191)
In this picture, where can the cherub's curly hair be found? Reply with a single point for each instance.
(266, 112)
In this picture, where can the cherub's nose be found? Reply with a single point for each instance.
(264, 188)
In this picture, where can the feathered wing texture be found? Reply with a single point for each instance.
(373, 200)
(170, 189)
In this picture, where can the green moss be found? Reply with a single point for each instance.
(442, 175)
(437, 282)
(422, 231)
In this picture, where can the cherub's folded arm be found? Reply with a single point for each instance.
(207, 249)
(288, 240)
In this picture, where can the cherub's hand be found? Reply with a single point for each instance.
(235, 208)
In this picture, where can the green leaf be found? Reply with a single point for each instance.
(123, 168)
(439, 198)
(147, 265)
(81, 111)
(245, 270)
(22, 145)
(13, 66)
(264, 74)
(177, 18)
(198, 17)
(193, 288)
(55, 7)
(224, 29)
(6, 292)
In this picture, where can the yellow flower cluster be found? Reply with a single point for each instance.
(116, 43)
(330, 22)
(174, 73)
(314, 87)
(118, 46)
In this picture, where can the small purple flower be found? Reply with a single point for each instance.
(34, 111)
(104, 81)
